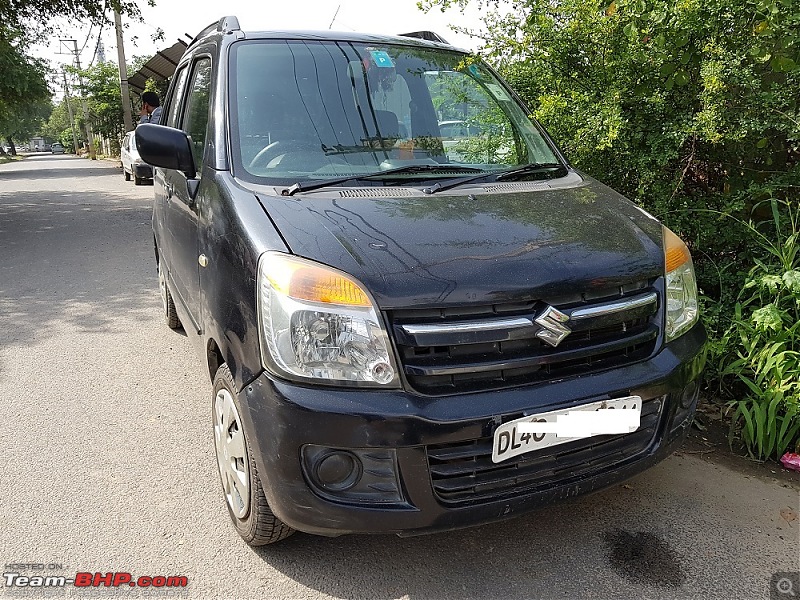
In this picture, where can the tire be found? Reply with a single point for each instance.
(167, 303)
(244, 496)
(127, 175)
(137, 180)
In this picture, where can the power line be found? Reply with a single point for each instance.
(87, 123)
(334, 16)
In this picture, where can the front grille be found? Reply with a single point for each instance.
(468, 349)
(463, 473)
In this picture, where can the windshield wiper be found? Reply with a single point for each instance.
(342, 149)
(528, 169)
(498, 176)
(298, 187)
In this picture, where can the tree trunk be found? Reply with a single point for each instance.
(13, 147)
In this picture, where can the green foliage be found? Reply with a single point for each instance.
(764, 340)
(691, 109)
(58, 127)
(101, 85)
(19, 14)
(24, 94)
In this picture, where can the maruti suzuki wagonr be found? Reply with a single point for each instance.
(389, 305)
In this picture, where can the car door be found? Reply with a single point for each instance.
(124, 155)
(172, 114)
(182, 209)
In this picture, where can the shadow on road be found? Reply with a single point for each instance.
(565, 550)
(72, 265)
(58, 166)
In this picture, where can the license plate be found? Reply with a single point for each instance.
(512, 440)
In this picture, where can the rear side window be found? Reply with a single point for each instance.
(195, 116)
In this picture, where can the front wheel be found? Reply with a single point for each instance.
(241, 484)
(167, 303)
(127, 175)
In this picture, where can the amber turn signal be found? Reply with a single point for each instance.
(302, 280)
(675, 251)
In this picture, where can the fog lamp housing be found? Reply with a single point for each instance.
(336, 471)
(353, 475)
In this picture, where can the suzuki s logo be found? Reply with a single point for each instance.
(553, 329)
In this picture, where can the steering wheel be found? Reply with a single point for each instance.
(276, 148)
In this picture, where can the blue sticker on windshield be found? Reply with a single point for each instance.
(381, 58)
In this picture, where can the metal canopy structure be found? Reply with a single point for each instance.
(158, 68)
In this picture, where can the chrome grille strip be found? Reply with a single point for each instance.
(610, 308)
(467, 332)
(467, 326)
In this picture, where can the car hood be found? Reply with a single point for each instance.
(446, 249)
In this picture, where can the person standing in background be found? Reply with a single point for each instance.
(151, 108)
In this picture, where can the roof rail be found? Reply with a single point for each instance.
(426, 35)
(228, 24)
(225, 25)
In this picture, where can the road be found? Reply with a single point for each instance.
(108, 461)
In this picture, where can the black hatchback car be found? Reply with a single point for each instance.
(393, 317)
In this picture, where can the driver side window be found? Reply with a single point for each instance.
(174, 102)
(195, 116)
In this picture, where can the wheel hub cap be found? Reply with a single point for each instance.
(231, 449)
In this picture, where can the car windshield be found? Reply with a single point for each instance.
(306, 110)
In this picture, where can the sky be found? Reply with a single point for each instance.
(177, 18)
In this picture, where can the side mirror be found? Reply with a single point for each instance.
(165, 147)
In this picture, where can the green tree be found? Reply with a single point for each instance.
(58, 126)
(23, 88)
(32, 14)
(101, 83)
(24, 94)
(681, 106)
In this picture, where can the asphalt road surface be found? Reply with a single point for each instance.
(108, 462)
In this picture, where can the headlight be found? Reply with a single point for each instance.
(682, 310)
(318, 323)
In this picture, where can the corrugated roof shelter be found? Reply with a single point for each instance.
(158, 68)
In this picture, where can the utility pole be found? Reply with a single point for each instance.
(123, 74)
(69, 108)
(89, 132)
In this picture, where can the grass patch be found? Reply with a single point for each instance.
(7, 158)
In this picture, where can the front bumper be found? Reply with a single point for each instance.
(281, 418)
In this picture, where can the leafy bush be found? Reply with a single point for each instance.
(692, 110)
(764, 340)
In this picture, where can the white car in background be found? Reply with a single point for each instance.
(132, 163)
